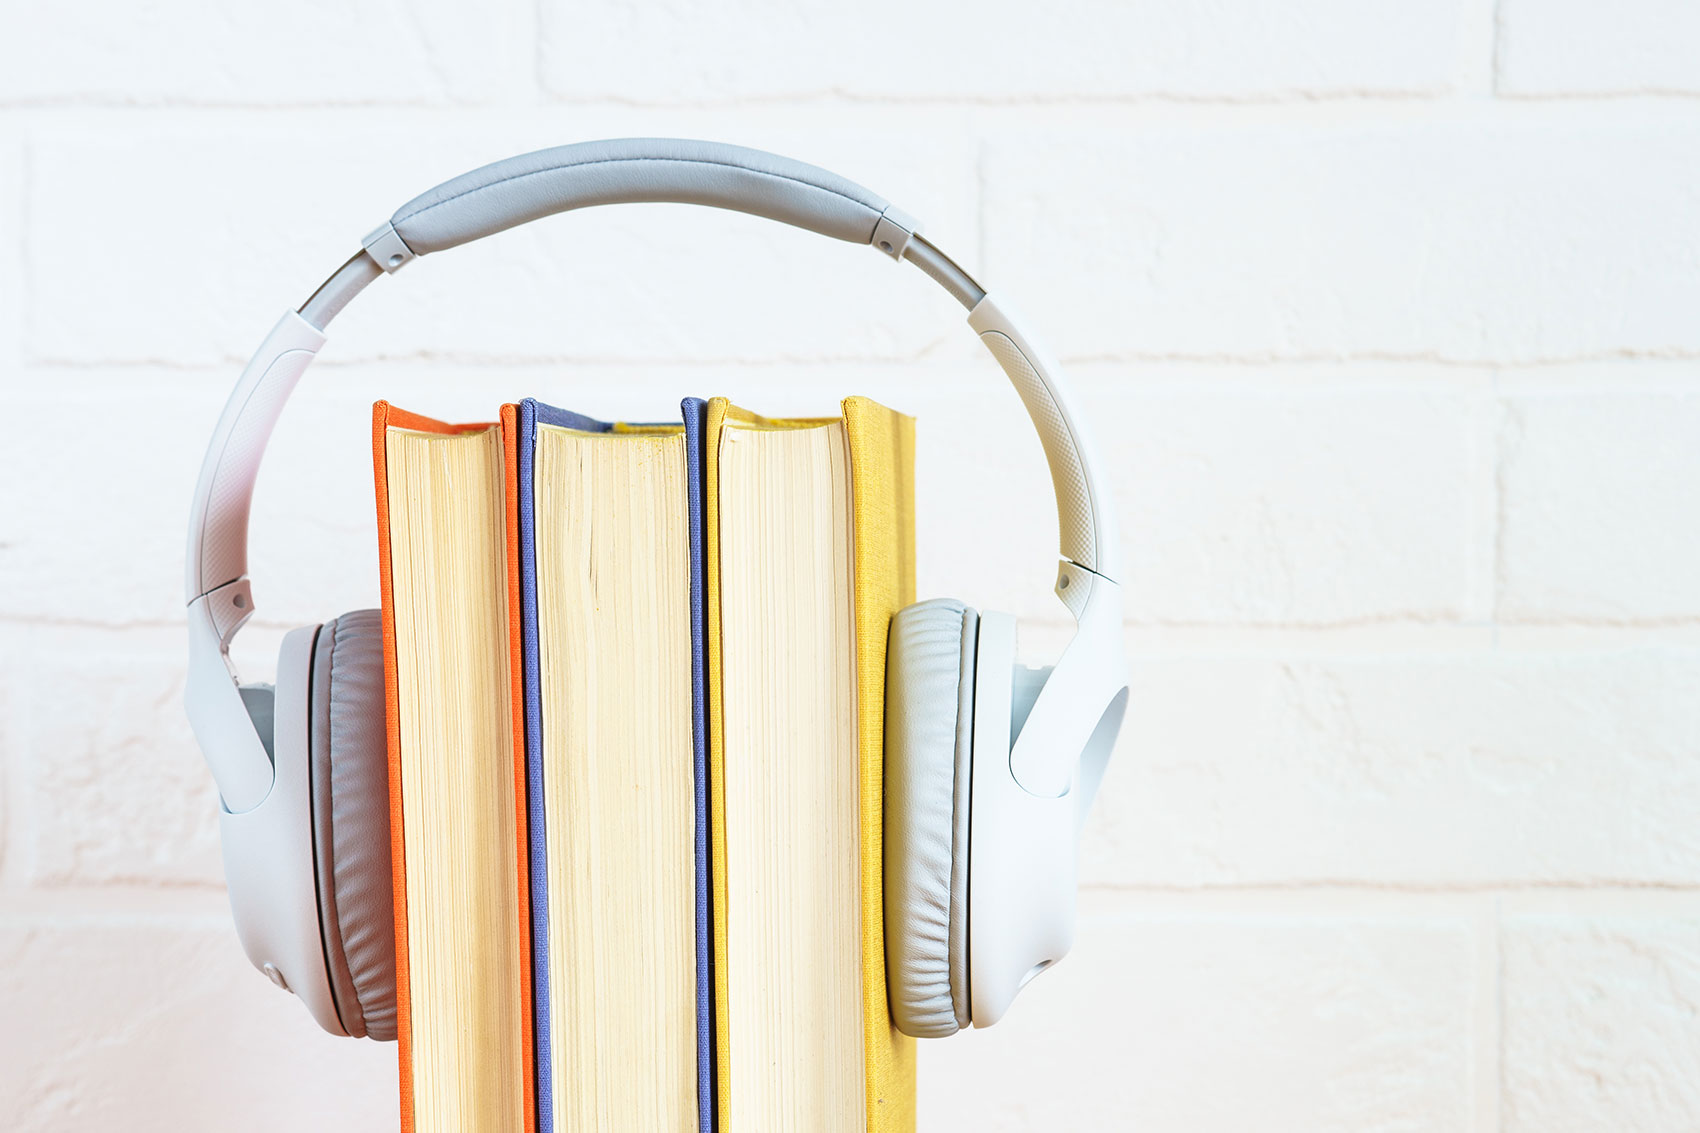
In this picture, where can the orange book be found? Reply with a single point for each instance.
(456, 807)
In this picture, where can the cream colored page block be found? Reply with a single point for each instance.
(794, 927)
(450, 589)
(613, 582)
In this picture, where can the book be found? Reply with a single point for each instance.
(808, 551)
(882, 479)
(605, 584)
(635, 681)
(461, 965)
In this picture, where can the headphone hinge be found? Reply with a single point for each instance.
(893, 232)
(387, 249)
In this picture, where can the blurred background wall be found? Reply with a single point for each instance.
(1388, 318)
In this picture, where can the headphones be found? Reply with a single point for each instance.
(990, 767)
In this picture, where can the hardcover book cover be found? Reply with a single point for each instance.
(882, 452)
(534, 704)
(386, 417)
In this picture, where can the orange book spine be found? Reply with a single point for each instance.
(384, 416)
(381, 416)
(516, 684)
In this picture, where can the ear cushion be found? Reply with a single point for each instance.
(351, 821)
(929, 713)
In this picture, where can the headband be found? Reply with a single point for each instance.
(633, 170)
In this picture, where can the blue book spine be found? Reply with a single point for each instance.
(530, 414)
(692, 411)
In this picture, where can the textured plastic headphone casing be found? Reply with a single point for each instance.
(268, 852)
(1024, 841)
(1021, 867)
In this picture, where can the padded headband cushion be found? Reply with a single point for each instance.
(351, 810)
(929, 712)
(625, 170)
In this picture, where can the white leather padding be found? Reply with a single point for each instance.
(929, 692)
(351, 819)
(632, 170)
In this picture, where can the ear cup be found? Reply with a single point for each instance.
(351, 821)
(929, 712)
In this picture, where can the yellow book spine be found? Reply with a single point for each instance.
(882, 478)
(882, 469)
(713, 420)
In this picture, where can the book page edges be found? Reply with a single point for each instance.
(882, 463)
(385, 417)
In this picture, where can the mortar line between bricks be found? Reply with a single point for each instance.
(1559, 97)
(1295, 98)
(1281, 109)
(1283, 98)
(800, 100)
(1488, 433)
(25, 186)
(23, 823)
(1348, 887)
(1498, 47)
(102, 901)
(980, 200)
(1499, 407)
(1494, 1045)
(1507, 418)
(539, 86)
(1043, 100)
(14, 280)
(11, 792)
(1250, 363)
(1477, 28)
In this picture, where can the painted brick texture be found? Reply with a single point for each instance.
(1385, 315)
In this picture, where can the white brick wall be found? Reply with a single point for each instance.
(1599, 1019)
(1389, 318)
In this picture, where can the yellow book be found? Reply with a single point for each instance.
(809, 551)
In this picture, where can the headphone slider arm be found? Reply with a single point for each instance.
(230, 605)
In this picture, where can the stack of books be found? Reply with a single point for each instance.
(635, 683)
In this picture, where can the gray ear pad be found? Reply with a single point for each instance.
(351, 822)
(929, 715)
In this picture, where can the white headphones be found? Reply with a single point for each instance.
(990, 766)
